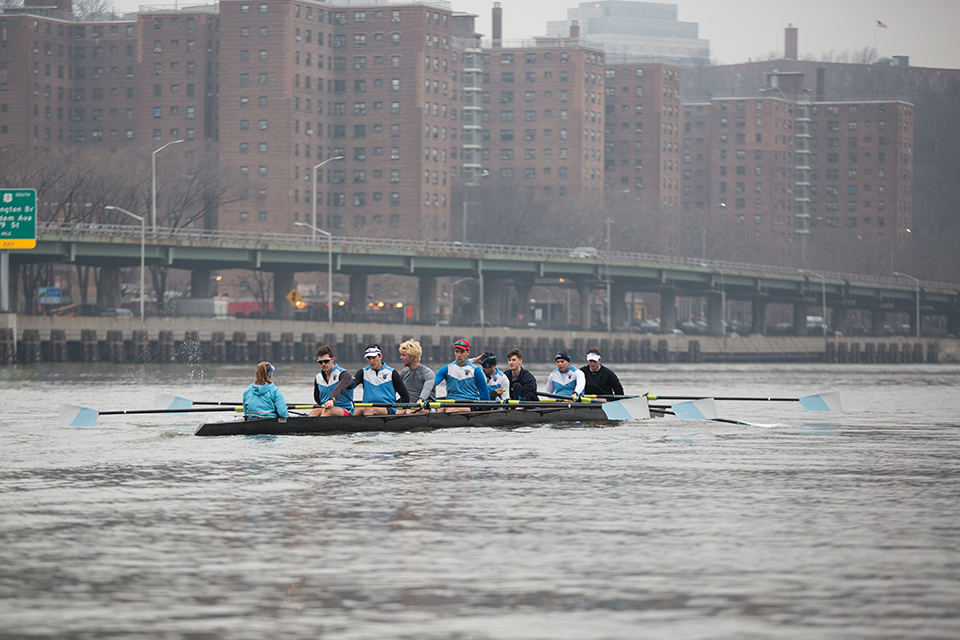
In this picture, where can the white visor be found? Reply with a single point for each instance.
(371, 352)
(593, 356)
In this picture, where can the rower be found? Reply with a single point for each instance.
(523, 386)
(262, 399)
(381, 384)
(463, 379)
(333, 387)
(565, 381)
(417, 377)
(600, 381)
(497, 384)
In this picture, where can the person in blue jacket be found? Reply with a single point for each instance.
(463, 379)
(333, 386)
(262, 399)
(381, 384)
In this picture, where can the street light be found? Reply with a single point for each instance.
(153, 217)
(143, 238)
(916, 282)
(329, 265)
(314, 198)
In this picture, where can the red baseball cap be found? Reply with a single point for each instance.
(462, 344)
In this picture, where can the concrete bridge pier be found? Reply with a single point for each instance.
(758, 315)
(282, 284)
(668, 310)
(427, 303)
(715, 313)
(586, 316)
(877, 319)
(800, 318)
(492, 302)
(522, 303)
(358, 295)
(108, 288)
(841, 319)
(618, 307)
(953, 323)
(200, 284)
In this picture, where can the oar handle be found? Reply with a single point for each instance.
(567, 398)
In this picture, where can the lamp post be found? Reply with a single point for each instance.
(143, 239)
(329, 265)
(314, 198)
(153, 217)
(916, 282)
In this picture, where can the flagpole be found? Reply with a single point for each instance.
(876, 21)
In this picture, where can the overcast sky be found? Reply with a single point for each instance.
(925, 30)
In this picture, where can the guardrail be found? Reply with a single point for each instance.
(346, 244)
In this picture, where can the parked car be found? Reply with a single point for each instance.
(116, 313)
(584, 252)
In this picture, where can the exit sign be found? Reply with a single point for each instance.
(18, 218)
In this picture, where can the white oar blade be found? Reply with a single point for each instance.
(629, 409)
(703, 409)
(74, 416)
(168, 401)
(822, 402)
(758, 424)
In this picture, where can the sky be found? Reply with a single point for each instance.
(738, 30)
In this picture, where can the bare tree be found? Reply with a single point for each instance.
(92, 10)
(260, 286)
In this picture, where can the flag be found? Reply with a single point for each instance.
(881, 25)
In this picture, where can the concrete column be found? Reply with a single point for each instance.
(358, 295)
(953, 323)
(618, 307)
(282, 284)
(492, 302)
(586, 317)
(427, 306)
(715, 313)
(668, 310)
(841, 319)
(913, 321)
(800, 318)
(877, 320)
(108, 288)
(522, 288)
(758, 316)
(200, 284)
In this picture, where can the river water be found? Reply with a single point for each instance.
(830, 525)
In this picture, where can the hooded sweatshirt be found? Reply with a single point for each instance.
(264, 401)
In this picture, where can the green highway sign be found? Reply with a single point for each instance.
(18, 218)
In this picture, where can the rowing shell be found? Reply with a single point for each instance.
(300, 425)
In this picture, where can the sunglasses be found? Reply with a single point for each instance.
(325, 360)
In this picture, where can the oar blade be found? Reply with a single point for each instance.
(629, 409)
(74, 416)
(702, 409)
(168, 401)
(829, 401)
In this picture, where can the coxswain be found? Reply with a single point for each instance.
(523, 386)
(333, 387)
(600, 381)
(262, 399)
(464, 380)
(417, 377)
(381, 384)
(564, 380)
(497, 384)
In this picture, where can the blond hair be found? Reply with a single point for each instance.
(413, 348)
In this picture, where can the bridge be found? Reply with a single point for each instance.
(201, 251)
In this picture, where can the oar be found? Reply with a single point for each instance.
(74, 416)
(667, 412)
(168, 401)
(587, 397)
(829, 401)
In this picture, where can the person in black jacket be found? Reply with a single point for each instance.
(601, 381)
(523, 386)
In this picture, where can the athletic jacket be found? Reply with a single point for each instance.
(465, 382)
(523, 386)
(602, 383)
(339, 387)
(381, 386)
(498, 381)
(566, 384)
(264, 401)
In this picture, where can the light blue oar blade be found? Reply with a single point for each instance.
(822, 402)
(628, 409)
(168, 401)
(703, 409)
(74, 416)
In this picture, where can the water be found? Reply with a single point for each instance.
(827, 526)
